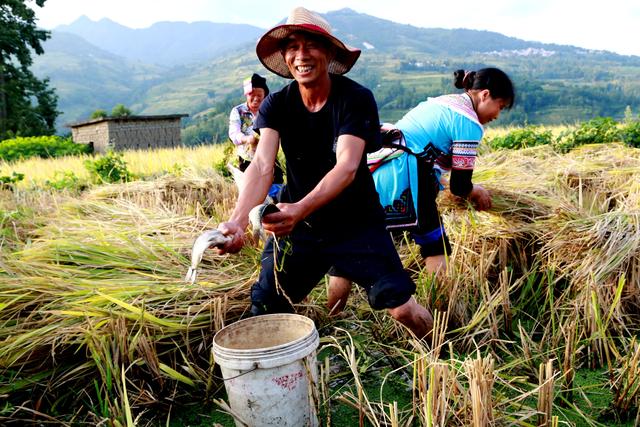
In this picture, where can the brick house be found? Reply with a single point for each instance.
(129, 132)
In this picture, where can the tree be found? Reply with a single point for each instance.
(28, 107)
(120, 111)
(99, 114)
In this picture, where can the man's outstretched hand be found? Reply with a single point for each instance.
(236, 233)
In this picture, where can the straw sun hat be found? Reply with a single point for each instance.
(301, 19)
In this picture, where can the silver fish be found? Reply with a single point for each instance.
(215, 238)
(208, 239)
(255, 218)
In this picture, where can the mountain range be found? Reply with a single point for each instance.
(177, 67)
(163, 43)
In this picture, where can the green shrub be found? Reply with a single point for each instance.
(109, 168)
(521, 138)
(227, 157)
(8, 182)
(40, 146)
(65, 180)
(630, 133)
(598, 130)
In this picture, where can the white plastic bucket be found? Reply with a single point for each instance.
(269, 368)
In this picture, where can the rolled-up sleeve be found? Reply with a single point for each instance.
(235, 127)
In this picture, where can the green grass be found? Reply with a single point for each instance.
(594, 400)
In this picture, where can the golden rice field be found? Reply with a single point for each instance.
(537, 317)
(183, 160)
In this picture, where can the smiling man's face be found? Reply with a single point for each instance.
(307, 57)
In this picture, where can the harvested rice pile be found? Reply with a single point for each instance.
(92, 301)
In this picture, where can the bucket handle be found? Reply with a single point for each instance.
(255, 366)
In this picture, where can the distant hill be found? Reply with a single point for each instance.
(203, 65)
(87, 78)
(164, 43)
(362, 30)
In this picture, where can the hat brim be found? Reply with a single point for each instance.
(268, 50)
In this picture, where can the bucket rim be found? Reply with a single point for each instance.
(313, 331)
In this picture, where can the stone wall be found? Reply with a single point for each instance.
(130, 133)
(96, 134)
(144, 134)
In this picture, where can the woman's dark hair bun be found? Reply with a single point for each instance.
(463, 79)
(458, 77)
(493, 79)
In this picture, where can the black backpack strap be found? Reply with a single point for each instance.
(429, 154)
(387, 136)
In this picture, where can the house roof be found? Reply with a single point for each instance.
(127, 119)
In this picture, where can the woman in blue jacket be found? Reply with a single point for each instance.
(446, 130)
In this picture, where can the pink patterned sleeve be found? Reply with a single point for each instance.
(463, 154)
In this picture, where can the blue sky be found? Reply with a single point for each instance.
(612, 25)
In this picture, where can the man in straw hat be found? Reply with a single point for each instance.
(329, 213)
